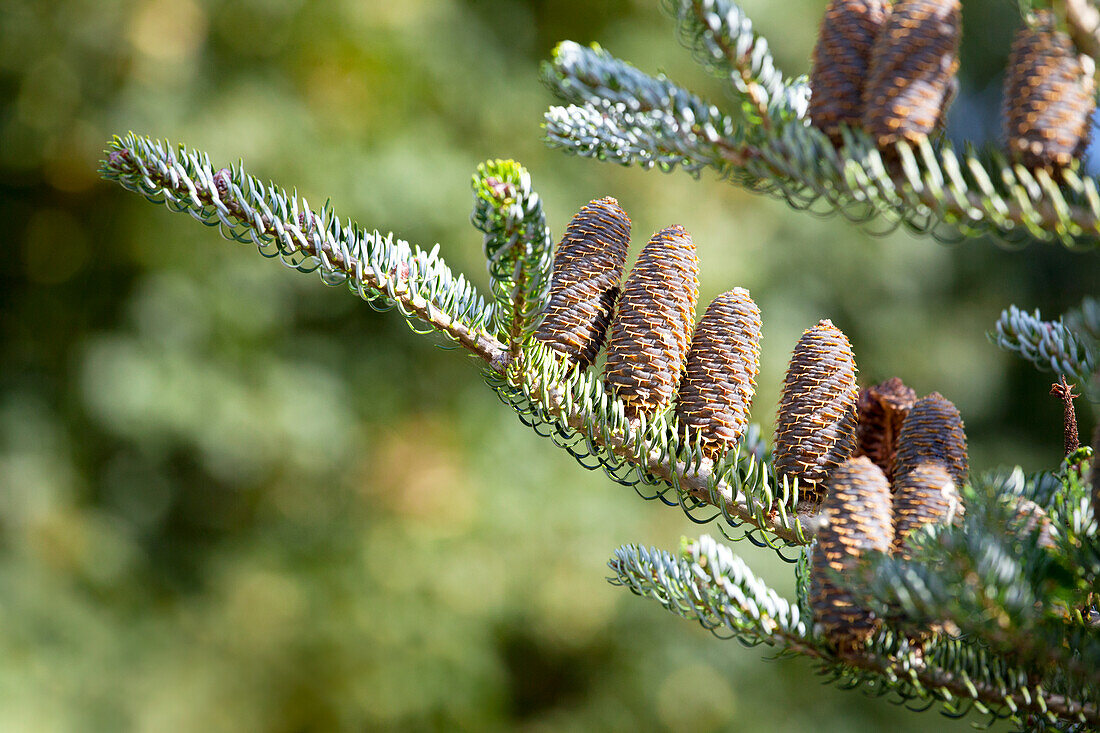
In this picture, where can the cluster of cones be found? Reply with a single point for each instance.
(905, 472)
(891, 69)
(659, 359)
(879, 463)
(655, 352)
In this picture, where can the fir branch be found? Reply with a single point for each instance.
(517, 245)
(385, 271)
(706, 582)
(621, 114)
(380, 269)
(1049, 345)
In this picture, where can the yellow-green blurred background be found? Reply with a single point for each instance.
(234, 499)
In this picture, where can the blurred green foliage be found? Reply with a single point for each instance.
(232, 499)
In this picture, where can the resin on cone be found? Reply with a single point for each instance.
(584, 284)
(841, 58)
(720, 376)
(881, 411)
(1049, 97)
(933, 432)
(857, 519)
(911, 77)
(651, 330)
(815, 429)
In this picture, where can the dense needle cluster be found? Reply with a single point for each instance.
(912, 74)
(933, 432)
(720, 376)
(1049, 96)
(815, 425)
(857, 519)
(882, 409)
(651, 332)
(588, 268)
(840, 62)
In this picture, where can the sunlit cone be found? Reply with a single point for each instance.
(881, 410)
(924, 495)
(651, 331)
(840, 61)
(1049, 97)
(588, 268)
(913, 64)
(857, 519)
(720, 375)
(933, 432)
(815, 429)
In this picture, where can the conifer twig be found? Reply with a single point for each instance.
(1064, 391)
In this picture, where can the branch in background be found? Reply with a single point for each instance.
(389, 272)
(1083, 20)
(1049, 345)
(621, 114)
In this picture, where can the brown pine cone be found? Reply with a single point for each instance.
(584, 284)
(913, 63)
(924, 495)
(933, 432)
(720, 376)
(815, 427)
(881, 410)
(1049, 97)
(857, 519)
(651, 331)
(840, 61)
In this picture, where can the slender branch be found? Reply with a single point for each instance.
(1064, 391)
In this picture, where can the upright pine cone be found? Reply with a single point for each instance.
(933, 431)
(924, 495)
(913, 65)
(588, 267)
(841, 58)
(651, 332)
(720, 377)
(881, 410)
(1048, 97)
(858, 518)
(815, 429)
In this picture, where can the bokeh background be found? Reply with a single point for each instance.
(234, 499)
